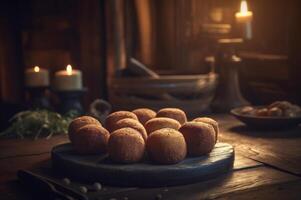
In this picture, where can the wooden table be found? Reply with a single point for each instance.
(267, 166)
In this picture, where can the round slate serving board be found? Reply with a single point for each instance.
(146, 174)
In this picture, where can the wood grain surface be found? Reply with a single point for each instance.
(280, 149)
(232, 184)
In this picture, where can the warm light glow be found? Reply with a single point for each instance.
(69, 69)
(243, 7)
(36, 69)
(244, 14)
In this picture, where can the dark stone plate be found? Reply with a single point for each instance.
(266, 122)
(101, 168)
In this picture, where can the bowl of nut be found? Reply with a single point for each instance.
(278, 115)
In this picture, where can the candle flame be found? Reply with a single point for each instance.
(36, 69)
(243, 7)
(69, 69)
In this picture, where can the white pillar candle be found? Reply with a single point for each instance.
(67, 80)
(36, 77)
(244, 17)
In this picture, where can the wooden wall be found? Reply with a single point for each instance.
(52, 34)
(170, 33)
(167, 35)
(11, 79)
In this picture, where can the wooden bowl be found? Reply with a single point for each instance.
(192, 93)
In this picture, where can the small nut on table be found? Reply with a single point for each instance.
(66, 181)
(97, 186)
(83, 189)
(159, 196)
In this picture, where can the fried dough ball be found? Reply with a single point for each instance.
(293, 111)
(79, 122)
(199, 137)
(91, 139)
(287, 109)
(126, 145)
(161, 122)
(283, 105)
(116, 116)
(131, 123)
(247, 110)
(173, 113)
(144, 114)
(275, 112)
(166, 146)
(262, 112)
(210, 121)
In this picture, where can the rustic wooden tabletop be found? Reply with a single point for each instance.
(267, 166)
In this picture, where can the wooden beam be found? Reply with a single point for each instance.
(92, 47)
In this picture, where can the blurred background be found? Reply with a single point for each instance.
(170, 37)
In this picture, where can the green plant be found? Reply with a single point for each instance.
(38, 123)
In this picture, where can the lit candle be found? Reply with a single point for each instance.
(244, 17)
(67, 80)
(36, 77)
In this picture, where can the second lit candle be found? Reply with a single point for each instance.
(68, 80)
